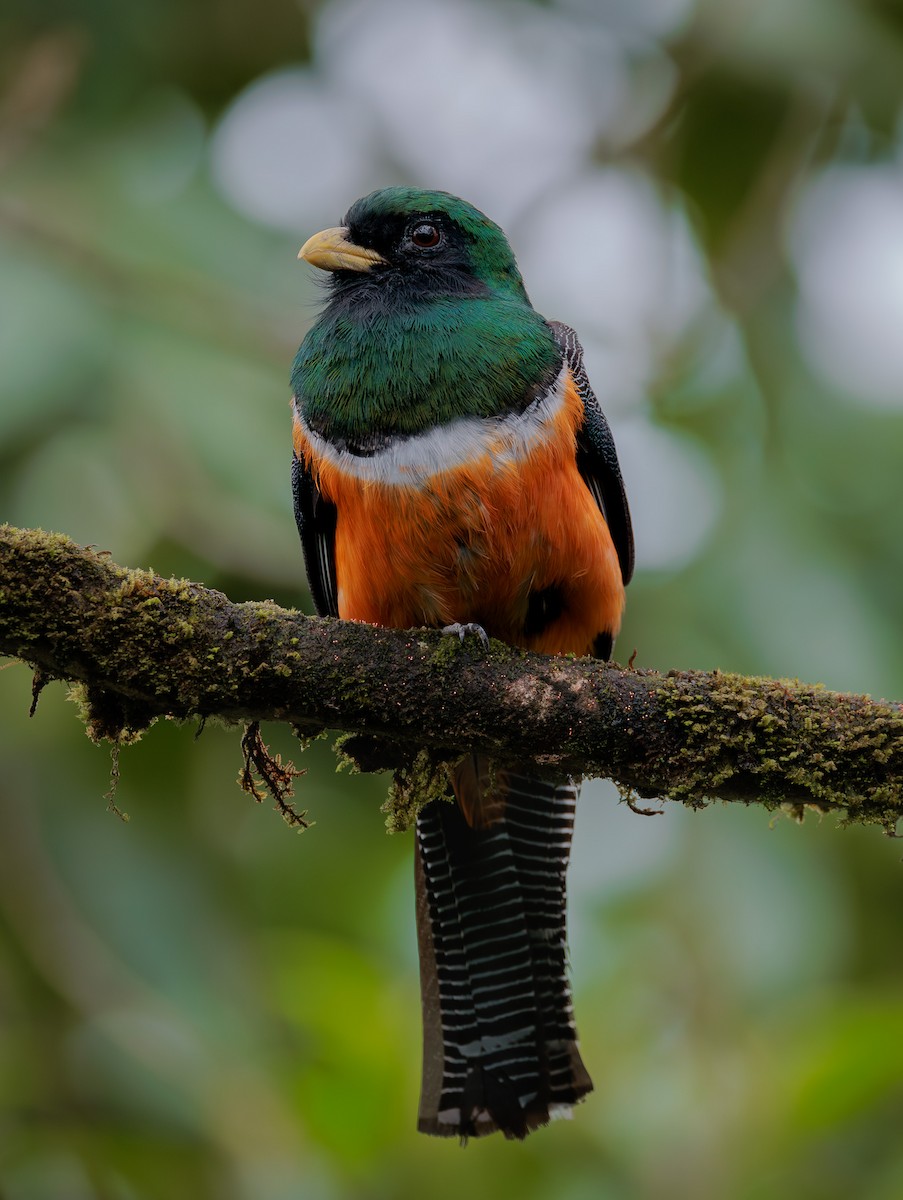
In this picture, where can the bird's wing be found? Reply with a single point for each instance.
(316, 519)
(597, 459)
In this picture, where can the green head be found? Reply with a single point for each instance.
(428, 319)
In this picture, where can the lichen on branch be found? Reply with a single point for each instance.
(140, 647)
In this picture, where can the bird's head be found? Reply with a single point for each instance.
(425, 242)
(427, 320)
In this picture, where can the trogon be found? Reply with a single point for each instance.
(453, 468)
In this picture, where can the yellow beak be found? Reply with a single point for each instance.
(332, 250)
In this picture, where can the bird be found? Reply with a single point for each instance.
(452, 468)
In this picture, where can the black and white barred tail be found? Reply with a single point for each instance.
(500, 1047)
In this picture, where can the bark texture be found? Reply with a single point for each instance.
(140, 647)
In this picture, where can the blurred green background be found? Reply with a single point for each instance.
(202, 1003)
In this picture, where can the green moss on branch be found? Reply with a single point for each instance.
(141, 647)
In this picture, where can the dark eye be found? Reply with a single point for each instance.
(426, 235)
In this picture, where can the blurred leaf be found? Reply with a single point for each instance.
(727, 130)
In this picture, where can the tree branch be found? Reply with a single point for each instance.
(144, 647)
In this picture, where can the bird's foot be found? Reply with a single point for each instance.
(463, 630)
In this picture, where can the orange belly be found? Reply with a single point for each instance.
(480, 542)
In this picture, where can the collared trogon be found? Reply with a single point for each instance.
(452, 466)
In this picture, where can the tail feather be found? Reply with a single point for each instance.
(500, 1047)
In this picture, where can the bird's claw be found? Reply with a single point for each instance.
(463, 630)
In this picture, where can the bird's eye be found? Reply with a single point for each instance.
(426, 235)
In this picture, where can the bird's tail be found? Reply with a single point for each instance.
(499, 1043)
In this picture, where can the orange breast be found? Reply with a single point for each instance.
(517, 547)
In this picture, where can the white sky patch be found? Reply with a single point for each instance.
(494, 104)
(846, 243)
(674, 493)
(607, 256)
(293, 153)
(636, 18)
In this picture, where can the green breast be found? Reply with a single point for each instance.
(366, 369)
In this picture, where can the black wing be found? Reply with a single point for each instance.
(597, 458)
(316, 520)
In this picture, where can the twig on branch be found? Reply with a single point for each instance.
(142, 647)
(275, 776)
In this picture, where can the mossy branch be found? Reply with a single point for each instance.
(142, 646)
